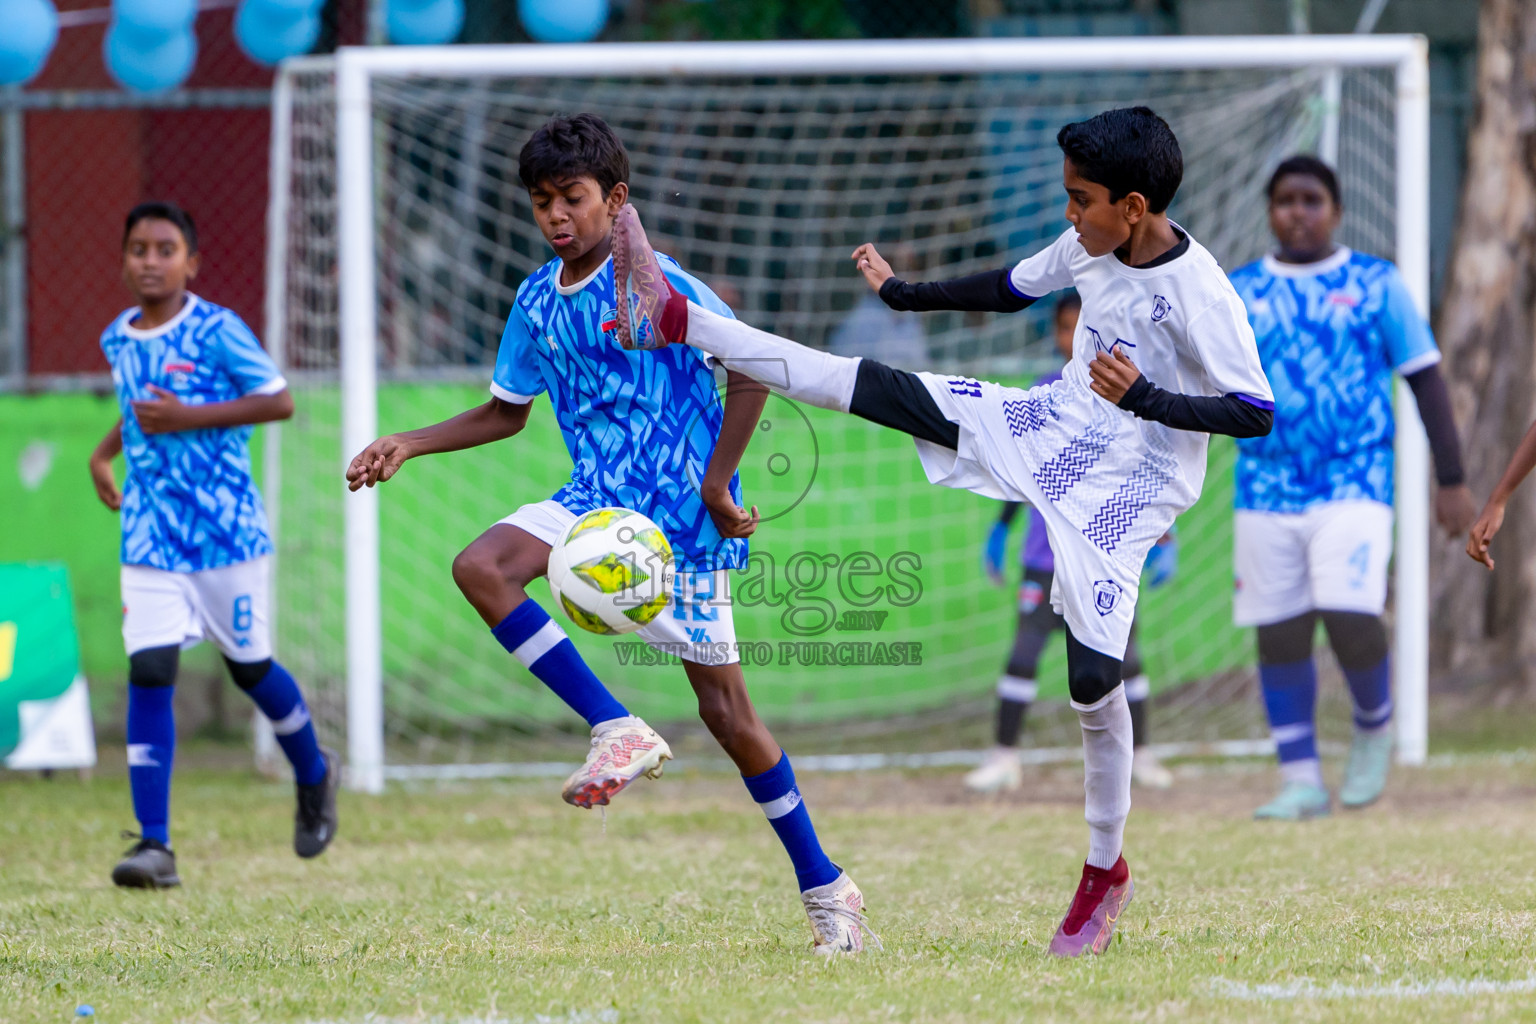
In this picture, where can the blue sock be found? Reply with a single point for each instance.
(278, 697)
(533, 638)
(151, 750)
(1372, 690)
(775, 791)
(1290, 698)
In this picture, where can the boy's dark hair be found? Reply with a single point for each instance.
(163, 211)
(1312, 167)
(573, 147)
(1126, 150)
(1067, 301)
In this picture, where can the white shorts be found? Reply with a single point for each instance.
(1332, 557)
(1105, 500)
(699, 627)
(227, 606)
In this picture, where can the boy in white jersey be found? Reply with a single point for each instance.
(1109, 458)
(191, 379)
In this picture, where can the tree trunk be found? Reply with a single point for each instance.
(1484, 626)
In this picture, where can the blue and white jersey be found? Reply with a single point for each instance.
(640, 426)
(189, 502)
(1330, 335)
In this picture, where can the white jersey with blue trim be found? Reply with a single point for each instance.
(641, 426)
(1330, 334)
(189, 502)
(1180, 322)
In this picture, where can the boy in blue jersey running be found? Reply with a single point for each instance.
(646, 431)
(1313, 530)
(191, 379)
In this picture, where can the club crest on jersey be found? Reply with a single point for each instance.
(1106, 594)
(179, 372)
(1160, 308)
(1031, 594)
(1109, 349)
(609, 322)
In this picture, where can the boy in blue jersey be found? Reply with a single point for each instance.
(1038, 622)
(191, 379)
(1313, 530)
(646, 431)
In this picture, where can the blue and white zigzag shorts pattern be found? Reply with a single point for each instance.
(1105, 490)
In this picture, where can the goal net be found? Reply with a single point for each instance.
(759, 167)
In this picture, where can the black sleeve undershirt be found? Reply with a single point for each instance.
(987, 292)
(1232, 415)
(1010, 510)
(1434, 401)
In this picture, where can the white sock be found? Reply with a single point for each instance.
(1308, 770)
(1106, 774)
(804, 374)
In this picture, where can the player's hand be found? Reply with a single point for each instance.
(872, 265)
(1455, 509)
(377, 463)
(995, 552)
(1483, 532)
(1112, 375)
(106, 484)
(730, 518)
(163, 414)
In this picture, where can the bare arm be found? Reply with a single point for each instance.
(1492, 518)
(744, 400)
(493, 421)
(165, 413)
(107, 449)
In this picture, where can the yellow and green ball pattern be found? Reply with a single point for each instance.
(611, 570)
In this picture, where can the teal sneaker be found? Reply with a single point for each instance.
(1297, 801)
(1370, 759)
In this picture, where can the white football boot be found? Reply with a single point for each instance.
(623, 749)
(1000, 771)
(1147, 771)
(836, 911)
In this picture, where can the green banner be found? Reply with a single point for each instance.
(39, 650)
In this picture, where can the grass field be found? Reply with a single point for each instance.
(495, 902)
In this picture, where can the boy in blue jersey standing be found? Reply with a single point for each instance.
(1313, 530)
(646, 431)
(191, 379)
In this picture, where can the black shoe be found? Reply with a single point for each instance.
(149, 864)
(314, 823)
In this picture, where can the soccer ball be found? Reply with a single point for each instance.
(611, 570)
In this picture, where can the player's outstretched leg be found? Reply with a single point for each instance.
(1106, 886)
(150, 863)
(1288, 679)
(493, 573)
(832, 902)
(316, 770)
(1360, 642)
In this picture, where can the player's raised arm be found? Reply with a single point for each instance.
(107, 449)
(496, 420)
(993, 291)
(1492, 517)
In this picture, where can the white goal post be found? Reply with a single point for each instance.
(357, 69)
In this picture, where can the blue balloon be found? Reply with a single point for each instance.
(269, 31)
(31, 29)
(149, 68)
(151, 21)
(563, 21)
(424, 22)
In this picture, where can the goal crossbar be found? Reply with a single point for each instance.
(355, 68)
